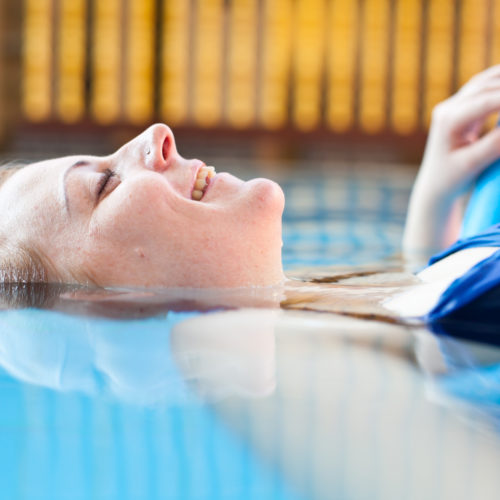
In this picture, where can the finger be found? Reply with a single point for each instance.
(458, 116)
(482, 78)
(492, 85)
(478, 155)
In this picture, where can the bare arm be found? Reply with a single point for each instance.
(456, 153)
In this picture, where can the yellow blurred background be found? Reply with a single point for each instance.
(351, 72)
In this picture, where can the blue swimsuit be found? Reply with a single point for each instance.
(471, 304)
(481, 278)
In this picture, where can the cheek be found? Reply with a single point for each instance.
(126, 231)
(131, 214)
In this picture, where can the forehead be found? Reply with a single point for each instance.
(33, 184)
(33, 173)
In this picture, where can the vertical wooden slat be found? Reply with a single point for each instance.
(491, 37)
(208, 61)
(495, 32)
(37, 60)
(175, 52)
(11, 67)
(276, 62)
(407, 46)
(242, 63)
(139, 73)
(309, 38)
(341, 64)
(71, 60)
(3, 93)
(374, 65)
(439, 54)
(472, 38)
(107, 60)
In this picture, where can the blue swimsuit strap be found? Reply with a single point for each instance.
(488, 238)
(473, 284)
(478, 280)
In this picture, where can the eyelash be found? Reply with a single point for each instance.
(107, 174)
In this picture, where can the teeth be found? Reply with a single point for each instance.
(197, 194)
(200, 184)
(202, 179)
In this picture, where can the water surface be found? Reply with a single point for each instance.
(191, 394)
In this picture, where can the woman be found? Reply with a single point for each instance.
(146, 216)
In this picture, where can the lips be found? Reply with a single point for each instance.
(202, 181)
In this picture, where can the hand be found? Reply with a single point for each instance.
(456, 153)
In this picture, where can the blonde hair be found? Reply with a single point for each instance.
(18, 262)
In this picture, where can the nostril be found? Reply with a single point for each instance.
(166, 148)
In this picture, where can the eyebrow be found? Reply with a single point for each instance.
(79, 163)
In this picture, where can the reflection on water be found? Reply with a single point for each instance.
(138, 361)
(222, 395)
(462, 373)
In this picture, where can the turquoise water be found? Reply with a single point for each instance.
(95, 408)
(247, 403)
(193, 395)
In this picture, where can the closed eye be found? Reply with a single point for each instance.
(103, 182)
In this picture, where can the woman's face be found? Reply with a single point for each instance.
(132, 219)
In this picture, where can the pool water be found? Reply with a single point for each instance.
(353, 215)
(185, 394)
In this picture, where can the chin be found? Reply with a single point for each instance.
(268, 196)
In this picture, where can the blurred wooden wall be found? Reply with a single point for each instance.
(368, 66)
(10, 68)
(3, 73)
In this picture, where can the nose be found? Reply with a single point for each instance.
(154, 149)
(160, 147)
